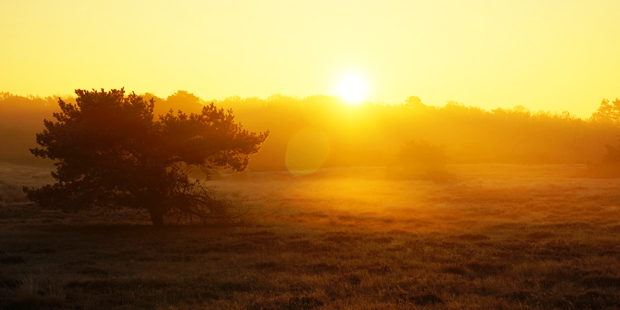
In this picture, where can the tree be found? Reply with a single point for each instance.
(111, 151)
(415, 102)
(612, 157)
(607, 113)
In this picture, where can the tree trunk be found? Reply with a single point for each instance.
(157, 217)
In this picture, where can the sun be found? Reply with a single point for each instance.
(352, 88)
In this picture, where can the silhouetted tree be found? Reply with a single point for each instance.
(608, 112)
(474, 135)
(185, 101)
(612, 157)
(414, 102)
(110, 151)
(608, 166)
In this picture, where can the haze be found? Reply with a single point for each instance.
(309, 154)
(550, 55)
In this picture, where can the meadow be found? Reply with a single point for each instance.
(497, 236)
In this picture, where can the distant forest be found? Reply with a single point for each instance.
(369, 134)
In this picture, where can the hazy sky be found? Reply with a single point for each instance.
(543, 54)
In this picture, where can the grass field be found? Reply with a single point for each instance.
(497, 237)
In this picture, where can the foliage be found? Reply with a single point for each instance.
(414, 102)
(609, 165)
(110, 151)
(419, 159)
(612, 156)
(607, 112)
(369, 134)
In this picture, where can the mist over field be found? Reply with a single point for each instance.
(370, 206)
(285, 155)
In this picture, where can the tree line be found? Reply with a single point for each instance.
(371, 134)
(111, 150)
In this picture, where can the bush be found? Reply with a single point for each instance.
(420, 160)
(609, 167)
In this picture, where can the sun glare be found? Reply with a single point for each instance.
(352, 88)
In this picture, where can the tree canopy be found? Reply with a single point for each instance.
(111, 151)
(608, 112)
(370, 134)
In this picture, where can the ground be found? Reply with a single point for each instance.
(495, 237)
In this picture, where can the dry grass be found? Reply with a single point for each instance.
(497, 237)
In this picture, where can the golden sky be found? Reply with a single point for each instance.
(546, 54)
